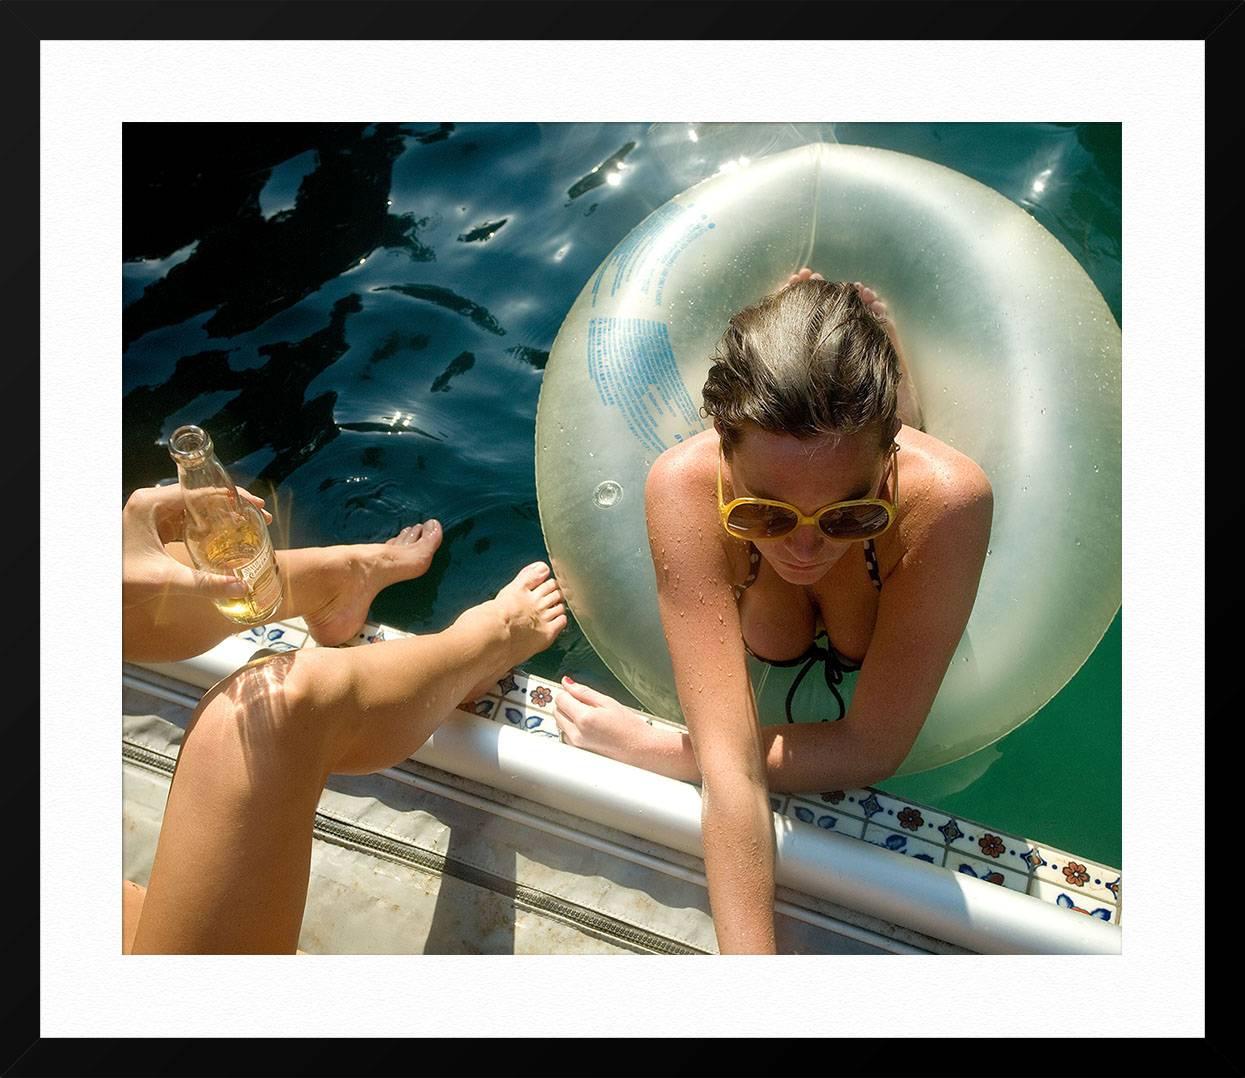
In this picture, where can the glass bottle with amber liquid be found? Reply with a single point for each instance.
(224, 532)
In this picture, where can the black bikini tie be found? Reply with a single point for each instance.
(833, 670)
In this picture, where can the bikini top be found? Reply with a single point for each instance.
(836, 665)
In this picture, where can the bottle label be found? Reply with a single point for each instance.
(260, 577)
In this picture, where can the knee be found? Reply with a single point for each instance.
(273, 710)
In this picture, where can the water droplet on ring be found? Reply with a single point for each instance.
(607, 494)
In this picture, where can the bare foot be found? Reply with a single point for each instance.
(528, 612)
(349, 578)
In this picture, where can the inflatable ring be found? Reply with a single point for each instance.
(1013, 351)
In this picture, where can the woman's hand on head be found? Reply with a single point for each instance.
(151, 518)
(868, 296)
(804, 274)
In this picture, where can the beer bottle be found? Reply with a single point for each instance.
(224, 532)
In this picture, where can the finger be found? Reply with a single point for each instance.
(256, 501)
(816, 277)
(588, 696)
(168, 509)
(568, 707)
(186, 581)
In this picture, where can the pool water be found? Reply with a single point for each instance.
(360, 316)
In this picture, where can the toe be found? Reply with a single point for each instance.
(532, 575)
(409, 534)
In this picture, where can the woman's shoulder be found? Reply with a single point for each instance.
(939, 487)
(687, 467)
(938, 469)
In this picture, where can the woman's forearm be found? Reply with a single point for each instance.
(738, 836)
(800, 758)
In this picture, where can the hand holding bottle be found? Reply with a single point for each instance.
(152, 517)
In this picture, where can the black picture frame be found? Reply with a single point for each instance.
(24, 24)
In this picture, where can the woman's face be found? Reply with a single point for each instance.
(808, 473)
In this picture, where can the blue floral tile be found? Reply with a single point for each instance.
(1073, 899)
(888, 838)
(486, 707)
(991, 873)
(513, 687)
(846, 804)
(275, 636)
(826, 817)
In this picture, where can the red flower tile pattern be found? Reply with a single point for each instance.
(910, 819)
(991, 845)
(1075, 874)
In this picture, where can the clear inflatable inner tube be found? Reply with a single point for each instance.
(1013, 351)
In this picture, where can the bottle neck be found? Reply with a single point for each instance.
(197, 466)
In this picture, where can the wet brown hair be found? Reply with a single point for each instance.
(809, 360)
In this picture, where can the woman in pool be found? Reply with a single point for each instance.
(756, 552)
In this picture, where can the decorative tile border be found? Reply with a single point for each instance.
(1069, 898)
(910, 829)
(979, 869)
(909, 845)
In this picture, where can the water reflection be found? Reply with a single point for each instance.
(270, 409)
(251, 260)
(601, 173)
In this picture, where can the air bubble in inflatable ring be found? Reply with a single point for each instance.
(1014, 352)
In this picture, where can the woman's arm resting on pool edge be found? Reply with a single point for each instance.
(702, 630)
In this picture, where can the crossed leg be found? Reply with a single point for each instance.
(232, 862)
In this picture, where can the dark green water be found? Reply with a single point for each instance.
(360, 317)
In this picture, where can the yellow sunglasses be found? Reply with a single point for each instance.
(854, 520)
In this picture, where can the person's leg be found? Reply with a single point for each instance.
(232, 863)
(330, 587)
(131, 909)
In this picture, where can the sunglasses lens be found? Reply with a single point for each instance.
(855, 522)
(760, 521)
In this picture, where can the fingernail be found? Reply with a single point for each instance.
(235, 589)
(568, 679)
